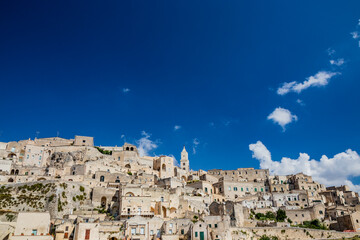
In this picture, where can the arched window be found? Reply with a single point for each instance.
(131, 149)
(102, 178)
(164, 167)
(103, 202)
(129, 194)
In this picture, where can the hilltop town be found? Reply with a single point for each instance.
(63, 189)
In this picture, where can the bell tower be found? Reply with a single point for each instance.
(184, 161)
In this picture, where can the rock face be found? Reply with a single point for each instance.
(61, 159)
(56, 197)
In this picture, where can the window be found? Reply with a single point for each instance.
(39, 157)
(102, 178)
(215, 225)
(262, 189)
(229, 188)
(171, 225)
(242, 189)
(87, 234)
(66, 235)
(182, 231)
(34, 232)
(84, 141)
(206, 190)
(162, 199)
(151, 232)
(133, 231)
(321, 212)
(67, 228)
(247, 189)
(209, 225)
(142, 230)
(196, 234)
(118, 158)
(27, 157)
(235, 188)
(170, 231)
(255, 189)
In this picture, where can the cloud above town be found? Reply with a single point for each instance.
(177, 127)
(326, 170)
(126, 90)
(145, 144)
(337, 62)
(319, 79)
(196, 142)
(282, 117)
(301, 102)
(355, 34)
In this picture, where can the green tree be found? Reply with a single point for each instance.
(280, 215)
(270, 215)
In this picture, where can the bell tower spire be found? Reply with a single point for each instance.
(184, 161)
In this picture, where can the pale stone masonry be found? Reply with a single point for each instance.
(69, 189)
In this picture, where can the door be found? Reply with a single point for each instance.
(202, 236)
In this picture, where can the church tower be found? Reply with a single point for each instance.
(184, 161)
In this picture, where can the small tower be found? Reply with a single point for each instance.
(184, 161)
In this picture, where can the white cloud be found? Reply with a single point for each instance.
(337, 62)
(355, 35)
(319, 79)
(196, 142)
(301, 102)
(145, 145)
(286, 88)
(176, 163)
(282, 117)
(330, 51)
(177, 127)
(125, 90)
(325, 171)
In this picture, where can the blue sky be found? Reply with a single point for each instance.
(116, 68)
